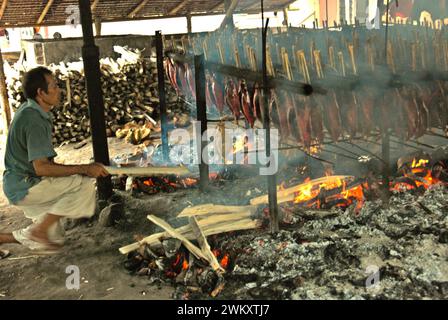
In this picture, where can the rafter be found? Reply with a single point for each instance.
(44, 12)
(94, 5)
(178, 7)
(3, 8)
(217, 6)
(229, 12)
(137, 9)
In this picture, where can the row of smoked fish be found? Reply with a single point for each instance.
(407, 111)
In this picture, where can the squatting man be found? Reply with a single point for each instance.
(32, 181)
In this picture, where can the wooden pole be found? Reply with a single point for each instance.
(91, 58)
(162, 95)
(98, 25)
(199, 66)
(272, 179)
(189, 24)
(4, 95)
(385, 134)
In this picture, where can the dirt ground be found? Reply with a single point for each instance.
(91, 248)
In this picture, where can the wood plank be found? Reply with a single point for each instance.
(44, 12)
(147, 171)
(209, 208)
(202, 240)
(3, 8)
(186, 231)
(288, 194)
(137, 9)
(190, 246)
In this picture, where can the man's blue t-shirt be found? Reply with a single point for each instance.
(29, 138)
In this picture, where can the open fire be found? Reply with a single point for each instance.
(335, 191)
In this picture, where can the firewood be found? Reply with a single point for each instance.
(172, 232)
(207, 209)
(288, 194)
(208, 229)
(202, 240)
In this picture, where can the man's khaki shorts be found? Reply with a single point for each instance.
(70, 197)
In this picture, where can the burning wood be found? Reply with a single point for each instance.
(210, 225)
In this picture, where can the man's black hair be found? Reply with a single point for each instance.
(34, 80)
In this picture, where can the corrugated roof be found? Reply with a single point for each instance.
(18, 13)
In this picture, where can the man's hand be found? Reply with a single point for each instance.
(96, 170)
(47, 168)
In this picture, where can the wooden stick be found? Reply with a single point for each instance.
(445, 54)
(414, 57)
(423, 52)
(147, 171)
(221, 53)
(342, 63)
(371, 57)
(202, 240)
(254, 60)
(352, 57)
(331, 57)
(205, 48)
(270, 65)
(390, 57)
(210, 208)
(172, 232)
(318, 62)
(303, 66)
(284, 195)
(208, 230)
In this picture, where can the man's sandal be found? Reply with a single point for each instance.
(4, 254)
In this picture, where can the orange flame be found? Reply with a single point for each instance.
(420, 163)
(314, 190)
(149, 183)
(225, 261)
(185, 265)
(419, 174)
(188, 182)
(309, 190)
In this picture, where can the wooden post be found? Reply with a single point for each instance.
(272, 179)
(4, 95)
(385, 140)
(162, 95)
(98, 27)
(285, 17)
(91, 58)
(189, 24)
(229, 6)
(199, 66)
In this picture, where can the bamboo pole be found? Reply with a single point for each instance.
(4, 96)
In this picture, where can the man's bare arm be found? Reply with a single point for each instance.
(48, 168)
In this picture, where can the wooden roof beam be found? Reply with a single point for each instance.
(3, 8)
(180, 6)
(44, 12)
(94, 5)
(217, 6)
(137, 9)
(229, 12)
